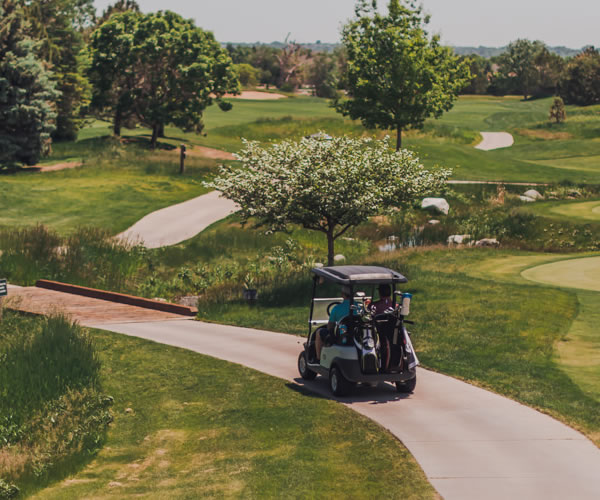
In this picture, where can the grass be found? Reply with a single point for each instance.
(188, 425)
(52, 414)
(116, 187)
(500, 334)
(586, 211)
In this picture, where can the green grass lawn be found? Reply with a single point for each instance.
(496, 330)
(542, 152)
(116, 187)
(576, 211)
(190, 426)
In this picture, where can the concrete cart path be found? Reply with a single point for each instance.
(495, 140)
(471, 443)
(180, 222)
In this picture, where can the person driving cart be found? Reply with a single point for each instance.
(340, 311)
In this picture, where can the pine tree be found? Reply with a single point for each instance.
(557, 110)
(26, 93)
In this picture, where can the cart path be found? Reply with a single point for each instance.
(177, 223)
(471, 443)
(495, 140)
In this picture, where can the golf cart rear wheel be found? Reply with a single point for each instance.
(337, 382)
(408, 386)
(305, 372)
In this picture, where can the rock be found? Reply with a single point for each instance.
(458, 239)
(487, 242)
(128, 410)
(434, 222)
(574, 193)
(319, 265)
(532, 193)
(339, 258)
(190, 301)
(526, 199)
(435, 205)
(159, 299)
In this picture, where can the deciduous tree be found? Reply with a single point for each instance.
(581, 81)
(519, 64)
(170, 70)
(397, 75)
(26, 92)
(324, 185)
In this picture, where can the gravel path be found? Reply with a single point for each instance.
(180, 222)
(495, 140)
(471, 443)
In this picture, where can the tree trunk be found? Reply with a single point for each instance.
(398, 138)
(161, 130)
(154, 136)
(117, 123)
(330, 250)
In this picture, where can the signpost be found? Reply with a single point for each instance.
(3, 293)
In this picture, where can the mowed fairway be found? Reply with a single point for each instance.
(586, 211)
(583, 274)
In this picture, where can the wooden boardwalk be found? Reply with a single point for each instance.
(84, 310)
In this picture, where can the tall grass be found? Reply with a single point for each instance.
(51, 410)
(88, 257)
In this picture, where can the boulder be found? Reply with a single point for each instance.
(319, 265)
(573, 193)
(435, 205)
(532, 193)
(487, 242)
(458, 239)
(526, 199)
(339, 258)
(434, 222)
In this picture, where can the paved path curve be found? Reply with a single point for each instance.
(471, 443)
(495, 140)
(180, 222)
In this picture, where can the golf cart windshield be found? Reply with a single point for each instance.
(358, 278)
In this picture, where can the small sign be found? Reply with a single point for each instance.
(3, 288)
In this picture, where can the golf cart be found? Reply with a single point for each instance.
(364, 347)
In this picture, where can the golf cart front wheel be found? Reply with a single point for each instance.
(407, 386)
(337, 382)
(305, 372)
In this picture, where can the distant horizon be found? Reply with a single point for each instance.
(461, 23)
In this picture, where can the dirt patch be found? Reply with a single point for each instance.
(204, 152)
(544, 134)
(256, 95)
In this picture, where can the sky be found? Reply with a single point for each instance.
(492, 23)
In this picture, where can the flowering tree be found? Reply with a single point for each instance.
(324, 185)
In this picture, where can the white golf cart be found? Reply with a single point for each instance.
(363, 347)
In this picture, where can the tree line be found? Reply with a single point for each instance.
(61, 64)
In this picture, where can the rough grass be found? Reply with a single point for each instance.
(189, 426)
(52, 415)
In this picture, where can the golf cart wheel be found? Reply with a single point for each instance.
(305, 372)
(408, 386)
(337, 382)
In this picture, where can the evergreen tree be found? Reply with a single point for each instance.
(59, 26)
(26, 91)
(557, 110)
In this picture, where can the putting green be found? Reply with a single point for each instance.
(583, 274)
(587, 210)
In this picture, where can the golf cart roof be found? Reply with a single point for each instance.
(359, 275)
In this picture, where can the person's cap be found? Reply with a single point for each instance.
(346, 290)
